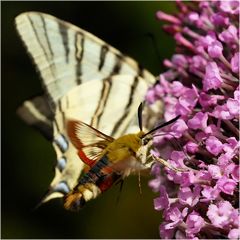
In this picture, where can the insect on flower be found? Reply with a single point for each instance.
(110, 160)
(87, 79)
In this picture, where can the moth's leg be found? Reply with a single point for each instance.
(139, 182)
(120, 181)
(168, 165)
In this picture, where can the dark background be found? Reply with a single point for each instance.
(28, 159)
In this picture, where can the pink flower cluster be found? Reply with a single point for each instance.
(202, 85)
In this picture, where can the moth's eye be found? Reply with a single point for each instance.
(145, 141)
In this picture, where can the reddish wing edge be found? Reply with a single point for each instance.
(79, 132)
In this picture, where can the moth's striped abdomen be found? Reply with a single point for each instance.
(97, 180)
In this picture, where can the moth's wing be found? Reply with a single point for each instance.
(88, 141)
(108, 105)
(36, 113)
(66, 56)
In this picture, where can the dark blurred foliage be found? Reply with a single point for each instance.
(28, 159)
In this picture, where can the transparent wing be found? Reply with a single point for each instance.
(88, 141)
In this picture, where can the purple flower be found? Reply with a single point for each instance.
(189, 197)
(191, 147)
(194, 224)
(220, 214)
(226, 185)
(229, 35)
(235, 62)
(233, 107)
(212, 78)
(237, 95)
(230, 6)
(222, 112)
(201, 84)
(187, 101)
(178, 128)
(174, 217)
(209, 193)
(179, 60)
(220, 19)
(165, 232)
(155, 184)
(215, 171)
(213, 145)
(207, 40)
(199, 121)
(235, 173)
(197, 63)
(207, 100)
(231, 146)
(215, 49)
(151, 96)
(177, 88)
(161, 202)
(234, 233)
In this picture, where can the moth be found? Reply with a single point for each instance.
(85, 79)
(109, 159)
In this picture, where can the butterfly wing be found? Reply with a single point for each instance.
(36, 113)
(66, 56)
(108, 105)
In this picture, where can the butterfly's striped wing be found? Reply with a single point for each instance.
(67, 56)
(56, 48)
(36, 113)
(111, 115)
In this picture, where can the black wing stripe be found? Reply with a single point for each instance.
(127, 108)
(79, 46)
(45, 53)
(107, 83)
(103, 53)
(37, 37)
(140, 70)
(62, 112)
(118, 64)
(47, 38)
(64, 34)
(57, 125)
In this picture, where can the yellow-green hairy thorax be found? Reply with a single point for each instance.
(124, 147)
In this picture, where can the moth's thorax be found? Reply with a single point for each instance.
(124, 147)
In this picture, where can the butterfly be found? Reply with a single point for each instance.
(83, 78)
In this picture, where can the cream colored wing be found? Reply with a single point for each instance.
(67, 56)
(36, 113)
(108, 105)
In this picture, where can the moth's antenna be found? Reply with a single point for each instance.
(162, 125)
(140, 108)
